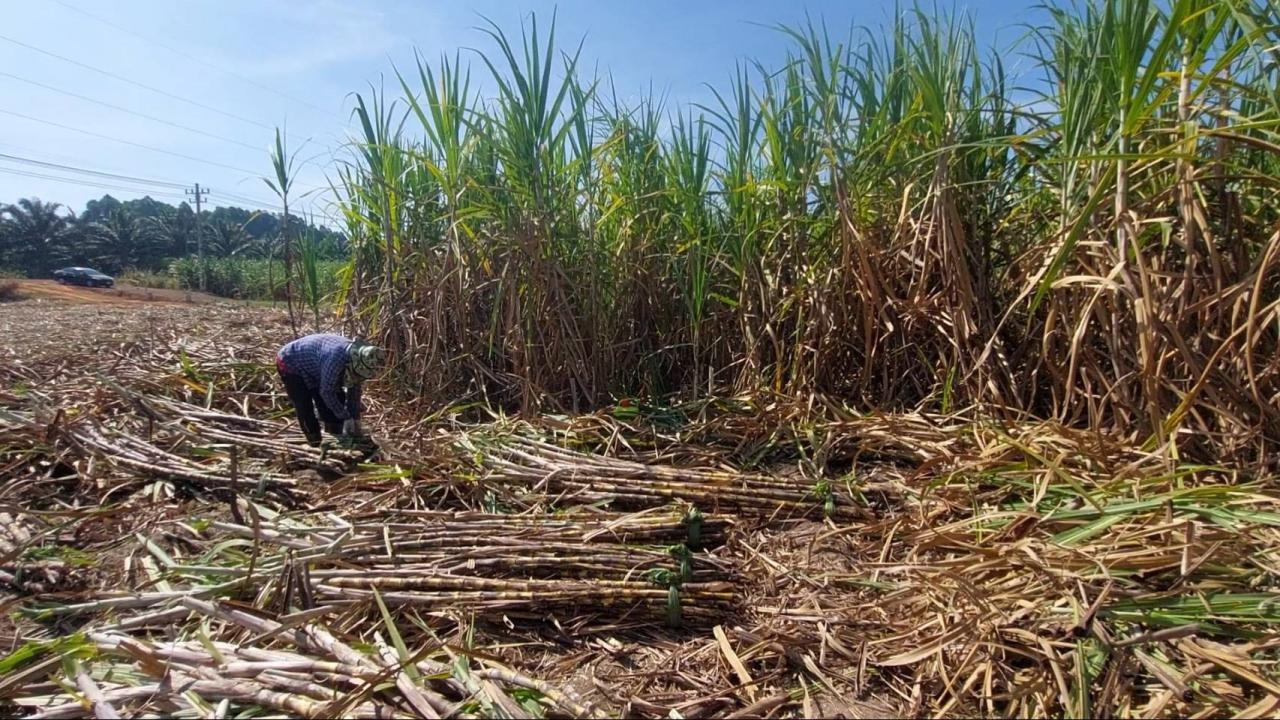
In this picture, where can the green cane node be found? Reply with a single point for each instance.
(674, 611)
(684, 556)
(663, 577)
(693, 524)
(822, 491)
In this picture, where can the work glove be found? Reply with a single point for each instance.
(351, 428)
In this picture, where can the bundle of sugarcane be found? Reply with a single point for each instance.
(309, 672)
(661, 597)
(499, 557)
(109, 446)
(264, 438)
(221, 468)
(506, 560)
(607, 584)
(480, 567)
(566, 477)
(415, 530)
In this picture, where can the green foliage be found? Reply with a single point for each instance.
(36, 237)
(313, 288)
(148, 279)
(144, 235)
(122, 240)
(246, 278)
(74, 645)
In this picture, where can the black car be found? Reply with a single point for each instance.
(83, 276)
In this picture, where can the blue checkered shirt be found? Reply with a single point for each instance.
(321, 361)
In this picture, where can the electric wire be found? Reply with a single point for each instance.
(89, 183)
(257, 202)
(191, 158)
(190, 57)
(113, 106)
(49, 157)
(135, 83)
(86, 171)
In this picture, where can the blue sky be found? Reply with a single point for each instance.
(255, 64)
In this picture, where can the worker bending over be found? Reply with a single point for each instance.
(323, 373)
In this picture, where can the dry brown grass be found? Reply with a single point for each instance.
(9, 291)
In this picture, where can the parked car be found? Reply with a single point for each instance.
(83, 276)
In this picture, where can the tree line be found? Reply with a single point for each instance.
(37, 237)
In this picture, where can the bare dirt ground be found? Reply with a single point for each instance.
(118, 295)
(82, 325)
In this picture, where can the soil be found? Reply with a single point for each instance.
(118, 295)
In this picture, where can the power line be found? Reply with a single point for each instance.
(293, 196)
(258, 202)
(88, 183)
(129, 142)
(245, 197)
(241, 201)
(192, 58)
(250, 203)
(254, 203)
(73, 161)
(86, 171)
(146, 87)
(270, 206)
(127, 110)
(135, 83)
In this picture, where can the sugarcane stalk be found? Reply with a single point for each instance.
(411, 692)
(102, 708)
(120, 696)
(143, 600)
(247, 690)
(555, 696)
(306, 666)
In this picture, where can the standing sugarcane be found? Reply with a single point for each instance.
(281, 185)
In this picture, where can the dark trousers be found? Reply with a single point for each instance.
(306, 403)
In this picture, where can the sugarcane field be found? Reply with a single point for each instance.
(906, 368)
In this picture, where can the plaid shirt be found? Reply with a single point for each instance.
(321, 361)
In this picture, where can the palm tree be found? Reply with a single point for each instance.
(125, 240)
(175, 229)
(39, 237)
(227, 238)
(8, 244)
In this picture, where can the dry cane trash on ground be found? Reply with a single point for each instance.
(168, 545)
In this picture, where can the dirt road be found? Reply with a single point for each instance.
(118, 295)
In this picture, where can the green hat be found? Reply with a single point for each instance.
(363, 359)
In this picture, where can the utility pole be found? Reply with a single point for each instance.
(199, 194)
